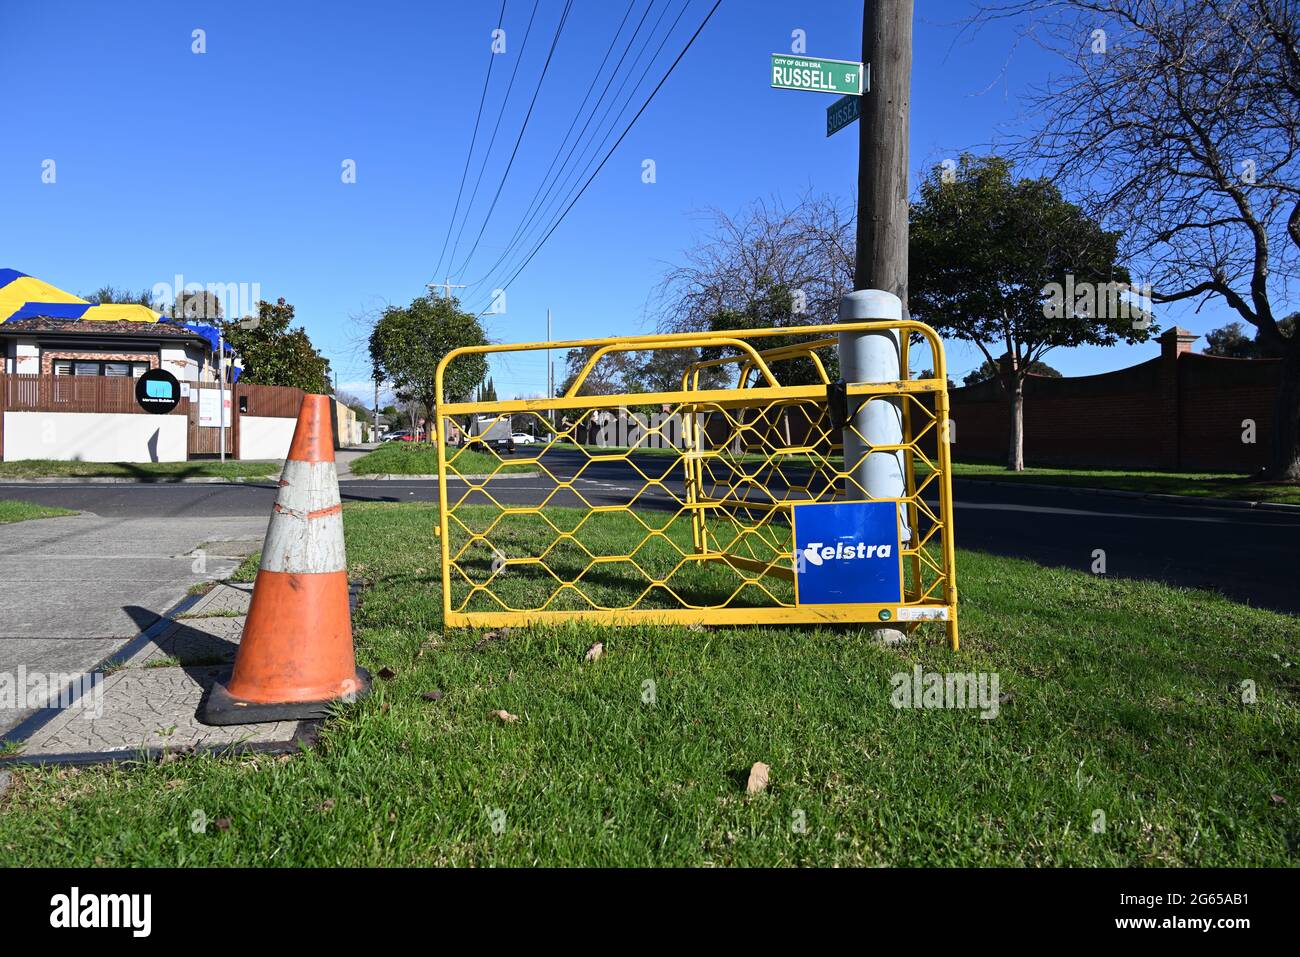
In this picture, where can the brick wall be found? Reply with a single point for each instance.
(1179, 411)
(48, 357)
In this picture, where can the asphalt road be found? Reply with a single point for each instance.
(1249, 555)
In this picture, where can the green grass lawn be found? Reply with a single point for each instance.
(159, 471)
(1120, 697)
(421, 458)
(12, 511)
(1198, 484)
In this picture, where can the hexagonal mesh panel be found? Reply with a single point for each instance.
(678, 506)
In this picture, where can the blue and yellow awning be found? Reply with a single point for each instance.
(25, 297)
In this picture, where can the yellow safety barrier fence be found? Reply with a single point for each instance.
(703, 504)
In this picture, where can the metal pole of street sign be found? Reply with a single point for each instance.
(221, 389)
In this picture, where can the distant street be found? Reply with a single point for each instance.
(1248, 555)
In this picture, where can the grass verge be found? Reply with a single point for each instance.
(1197, 485)
(1235, 486)
(247, 570)
(1122, 697)
(15, 511)
(155, 471)
(421, 458)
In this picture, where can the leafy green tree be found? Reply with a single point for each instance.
(408, 342)
(1231, 341)
(993, 261)
(989, 370)
(276, 353)
(395, 417)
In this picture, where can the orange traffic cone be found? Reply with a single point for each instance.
(295, 657)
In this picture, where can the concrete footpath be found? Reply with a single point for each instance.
(144, 704)
(77, 588)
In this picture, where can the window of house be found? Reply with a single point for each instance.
(114, 367)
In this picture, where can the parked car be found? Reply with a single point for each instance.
(523, 438)
(402, 435)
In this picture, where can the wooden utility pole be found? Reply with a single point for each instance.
(883, 130)
(880, 271)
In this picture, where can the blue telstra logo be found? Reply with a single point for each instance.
(847, 553)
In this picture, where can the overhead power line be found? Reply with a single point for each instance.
(491, 142)
(564, 16)
(690, 43)
(533, 209)
(501, 18)
(570, 176)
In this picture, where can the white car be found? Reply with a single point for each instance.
(523, 438)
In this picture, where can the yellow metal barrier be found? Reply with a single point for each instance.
(699, 505)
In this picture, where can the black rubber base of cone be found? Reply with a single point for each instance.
(220, 707)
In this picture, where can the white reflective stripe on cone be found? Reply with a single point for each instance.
(305, 535)
(308, 486)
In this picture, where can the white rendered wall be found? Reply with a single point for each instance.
(95, 437)
(264, 437)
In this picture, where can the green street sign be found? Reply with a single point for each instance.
(842, 112)
(819, 75)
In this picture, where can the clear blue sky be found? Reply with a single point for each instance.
(226, 166)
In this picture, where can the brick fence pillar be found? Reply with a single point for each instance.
(1173, 343)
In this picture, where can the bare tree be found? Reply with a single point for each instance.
(1177, 119)
(806, 248)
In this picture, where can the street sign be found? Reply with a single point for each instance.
(842, 112)
(817, 74)
(157, 391)
(847, 553)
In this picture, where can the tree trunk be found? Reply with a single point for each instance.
(1286, 430)
(1016, 446)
